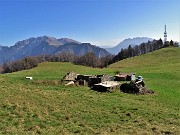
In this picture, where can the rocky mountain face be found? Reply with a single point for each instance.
(125, 43)
(81, 49)
(47, 45)
(3, 47)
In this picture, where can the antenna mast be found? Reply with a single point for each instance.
(165, 35)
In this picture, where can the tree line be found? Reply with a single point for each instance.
(142, 49)
(89, 59)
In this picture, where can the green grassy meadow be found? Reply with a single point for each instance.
(45, 106)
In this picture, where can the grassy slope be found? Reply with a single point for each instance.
(45, 106)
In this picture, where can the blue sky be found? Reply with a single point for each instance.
(100, 22)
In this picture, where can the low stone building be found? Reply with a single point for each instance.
(97, 82)
(107, 86)
(87, 80)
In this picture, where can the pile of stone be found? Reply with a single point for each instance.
(135, 88)
(71, 76)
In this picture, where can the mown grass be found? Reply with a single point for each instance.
(46, 106)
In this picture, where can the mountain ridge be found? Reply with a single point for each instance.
(46, 45)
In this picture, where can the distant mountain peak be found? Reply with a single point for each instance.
(67, 40)
(126, 42)
(138, 39)
(48, 39)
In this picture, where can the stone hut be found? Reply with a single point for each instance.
(87, 80)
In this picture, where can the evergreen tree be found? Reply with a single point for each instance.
(160, 43)
(166, 44)
(171, 43)
(130, 51)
